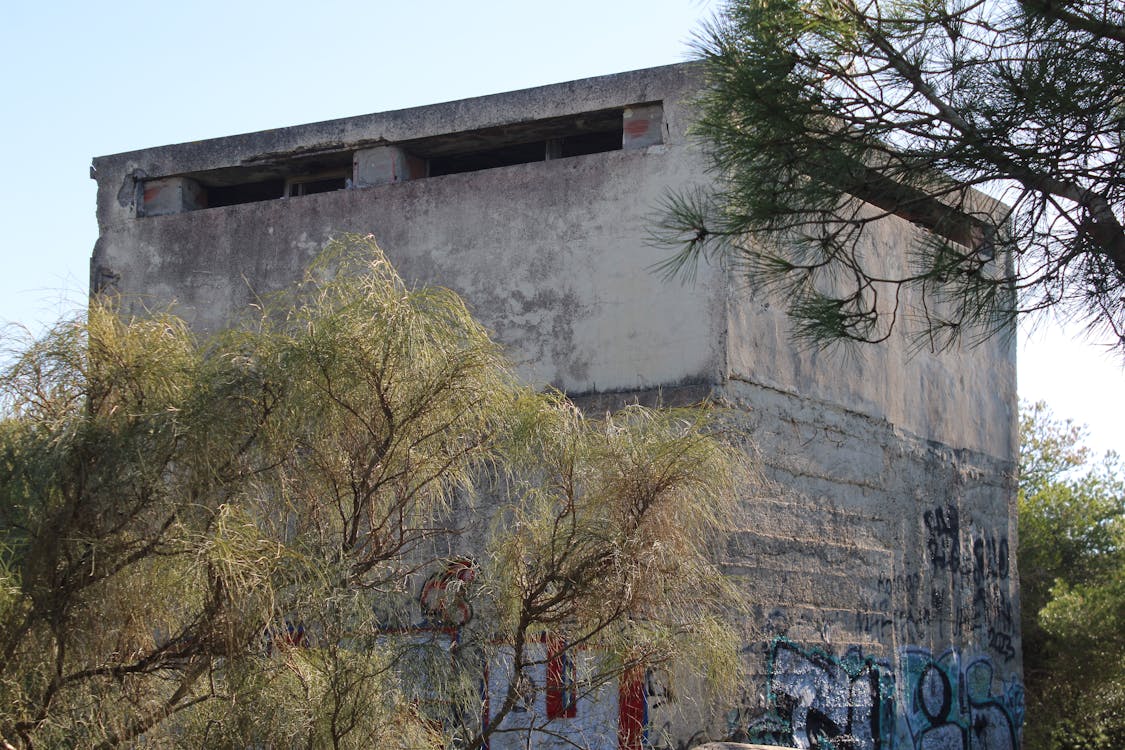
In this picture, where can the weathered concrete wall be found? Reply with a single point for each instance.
(963, 397)
(552, 255)
(881, 573)
(561, 281)
(882, 582)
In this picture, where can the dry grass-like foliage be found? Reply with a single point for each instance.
(220, 543)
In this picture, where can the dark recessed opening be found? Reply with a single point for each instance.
(324, 186)
(591, 143)
(520, 143)
(273, 176)
(525, 153)
(320, 185)
(249, 192)
(505, 156)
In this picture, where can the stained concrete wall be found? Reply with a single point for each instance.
(551, 255)
(881, 582)
(880, 576)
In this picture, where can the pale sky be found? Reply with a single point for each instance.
(84, 79)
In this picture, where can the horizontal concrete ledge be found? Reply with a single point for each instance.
(494, 110)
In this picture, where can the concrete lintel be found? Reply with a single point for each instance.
(385, 164)
(172, 195)
(643, 126)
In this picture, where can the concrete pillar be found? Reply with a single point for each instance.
(643, 126)
(172, 195)
(384, 164)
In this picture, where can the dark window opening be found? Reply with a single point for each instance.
(250, 192)
(289, 175)
(507, 156)
(523, 143)
(312, 186)
(590, 143)
(269, 178)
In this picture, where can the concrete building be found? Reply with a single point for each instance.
(881, 578)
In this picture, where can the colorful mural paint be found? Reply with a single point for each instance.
(815, 700)
(957, 703)
(948, 701)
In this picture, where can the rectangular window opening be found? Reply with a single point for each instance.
(271, 178)
(296, 187)
(250, 192)
(506, 156)
(590, 143)
(541, 140)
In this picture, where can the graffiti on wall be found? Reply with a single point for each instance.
(969, 571)
(559, 708)
(817, 701)
(812, 700)
(444, 598)
(958, 591)
(958, 703)
(961, 592)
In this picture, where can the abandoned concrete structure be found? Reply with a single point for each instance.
(881, 581)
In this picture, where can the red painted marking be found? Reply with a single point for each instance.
(631, 710)
(448, 606)
(638, 127)
(562, 701)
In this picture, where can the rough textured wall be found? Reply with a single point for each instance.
(563, 282)
(882, 582)
(880, 572)
(553, 256)
(963, 397)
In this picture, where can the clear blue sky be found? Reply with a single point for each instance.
(82, 79)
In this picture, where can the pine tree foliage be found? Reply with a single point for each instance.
(825, 119)
(220, 542)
